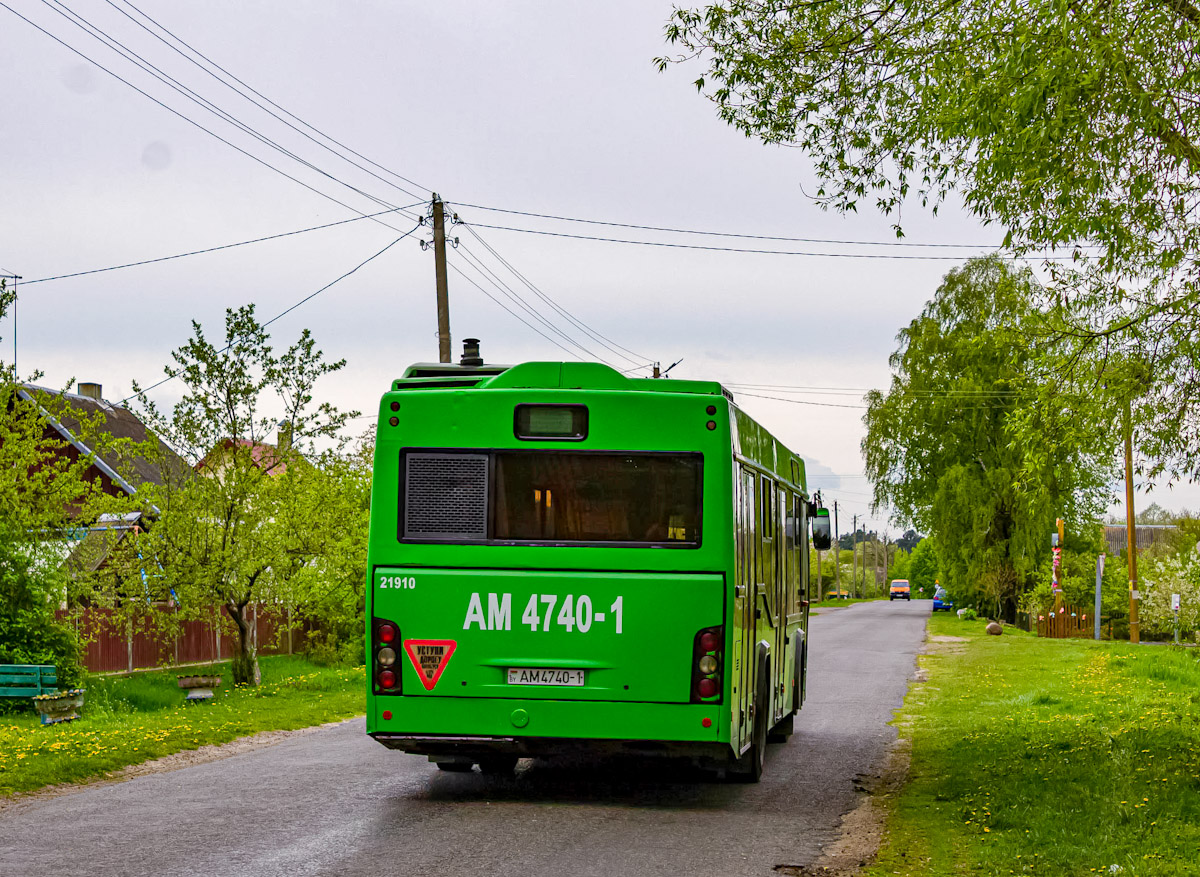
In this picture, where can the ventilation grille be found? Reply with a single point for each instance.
(446, 496)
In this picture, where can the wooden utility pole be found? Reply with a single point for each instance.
(1131, 526)
(439, 267)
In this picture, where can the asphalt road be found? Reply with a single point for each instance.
(335, 802)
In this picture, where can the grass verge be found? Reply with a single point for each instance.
(128, 720)
(1048, 757)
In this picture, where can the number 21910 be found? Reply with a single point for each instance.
(406, 583)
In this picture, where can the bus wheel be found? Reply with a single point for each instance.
(495, 765)
(455, 766)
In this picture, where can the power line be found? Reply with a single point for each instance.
(217, 248)
(802, 401)
(519, 301)
(853, 391)
(598, 337)
(515, 315)
(724, 234)
(187, 119)
(751, 250)
(171, 82)
(284, 313)
(259, 94)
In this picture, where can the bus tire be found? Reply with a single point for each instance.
(783, 729)
(497, 765)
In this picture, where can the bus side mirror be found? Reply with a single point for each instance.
(821, 538)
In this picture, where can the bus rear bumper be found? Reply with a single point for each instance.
(464, 727)
(473, 748)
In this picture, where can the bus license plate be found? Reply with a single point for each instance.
(544, 676)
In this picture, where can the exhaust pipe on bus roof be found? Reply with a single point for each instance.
(470, 355)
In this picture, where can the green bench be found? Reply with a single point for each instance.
(27, 680)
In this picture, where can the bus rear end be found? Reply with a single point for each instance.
(549, 561)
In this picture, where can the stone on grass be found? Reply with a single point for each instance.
(994, 628)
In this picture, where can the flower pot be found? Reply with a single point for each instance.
(199, 687)
(60, 707)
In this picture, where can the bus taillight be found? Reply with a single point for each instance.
(387, 677)
(708, 654)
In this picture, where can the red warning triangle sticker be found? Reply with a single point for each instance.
(429, 658)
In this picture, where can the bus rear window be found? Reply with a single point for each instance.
(563, 497)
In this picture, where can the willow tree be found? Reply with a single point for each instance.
(1072, 124)
(975, 444)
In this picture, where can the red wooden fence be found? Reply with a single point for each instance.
(114, 645)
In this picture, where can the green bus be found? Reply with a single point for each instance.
(566, 559)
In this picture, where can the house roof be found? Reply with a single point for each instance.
(265, 456)
(116, 421)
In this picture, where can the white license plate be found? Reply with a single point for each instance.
(543, 676)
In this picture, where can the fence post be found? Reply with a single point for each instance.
(1096, 614)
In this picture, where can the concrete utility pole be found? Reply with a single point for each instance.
(439, 267)
(883, 576)
(837, 552)
(854, 560)
(875, 546)
(1131, 527)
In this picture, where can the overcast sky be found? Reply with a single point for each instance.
(552, 108)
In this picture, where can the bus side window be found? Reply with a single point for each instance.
(750, 500)
(791, 558)
(768, 517)
(801, 513)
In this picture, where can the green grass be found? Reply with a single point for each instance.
(1048, 757)
(131, 719)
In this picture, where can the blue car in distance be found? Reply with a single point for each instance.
(941, 600)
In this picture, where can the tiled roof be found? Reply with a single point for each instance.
(265, 456)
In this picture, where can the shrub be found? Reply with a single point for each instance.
(328, 649)
(29, 631)
(1179, 574)
(967, 615)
